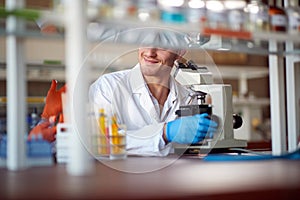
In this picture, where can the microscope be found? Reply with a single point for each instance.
(207, 97)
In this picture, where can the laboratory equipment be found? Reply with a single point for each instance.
(207, 97)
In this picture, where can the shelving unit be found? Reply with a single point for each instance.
(75, 17)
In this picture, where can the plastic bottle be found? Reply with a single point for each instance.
(236, 15)
(147, 10)
(216, 14)
(258, 16)
(34, 118)
(293, 15)
(125, 9)
(195, 12)
(172, 11)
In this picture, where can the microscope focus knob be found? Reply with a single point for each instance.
(237, 121)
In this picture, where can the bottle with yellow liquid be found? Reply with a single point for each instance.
(103, 137)
(117, 140)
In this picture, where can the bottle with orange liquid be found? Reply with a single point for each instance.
(278, 18)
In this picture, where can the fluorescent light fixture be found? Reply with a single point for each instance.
(171, 3)
(196, 4)
(234, 4)
(215, 5)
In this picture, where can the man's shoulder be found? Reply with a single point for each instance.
(114, 76)
(111, 80)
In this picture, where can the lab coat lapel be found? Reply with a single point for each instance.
(140, 91)
(176, 96)
(147, 104)
(179, 96)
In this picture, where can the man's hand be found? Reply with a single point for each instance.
(53, 106)
(190, 130)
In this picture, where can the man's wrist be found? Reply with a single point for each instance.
(164, 135)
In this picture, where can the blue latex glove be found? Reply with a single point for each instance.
(190, 129)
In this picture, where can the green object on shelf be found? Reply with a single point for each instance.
(29, 14)
(52, 62)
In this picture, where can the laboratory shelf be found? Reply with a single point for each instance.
(30, 30)
(123, 24)
(197, 37)
(39, 72)
(29, 100)
(252, 101)
(255, 35)
(237, 72)
(31, 34)
(132, 32)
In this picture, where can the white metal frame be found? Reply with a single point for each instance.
(16, 92)
(277, 99)
(284, 112)
(293, 98)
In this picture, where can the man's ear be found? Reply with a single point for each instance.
(181, 52)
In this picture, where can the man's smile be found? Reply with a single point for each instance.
(150, 60)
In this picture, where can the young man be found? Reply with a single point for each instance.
(145, 99)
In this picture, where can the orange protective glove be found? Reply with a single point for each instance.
(45, 129)
(53, 106)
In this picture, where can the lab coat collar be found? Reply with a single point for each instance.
(173, 90)
(136, 79)
(139, 86)
(138, 83)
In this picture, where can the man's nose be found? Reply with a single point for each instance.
(151, 52)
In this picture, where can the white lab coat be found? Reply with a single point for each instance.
(126, 94)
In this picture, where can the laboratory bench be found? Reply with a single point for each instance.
(171, 177)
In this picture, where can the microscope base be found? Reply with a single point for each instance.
(210, 145)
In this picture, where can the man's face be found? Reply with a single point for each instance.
(155, 61)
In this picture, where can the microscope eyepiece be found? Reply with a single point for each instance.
(237, 121)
